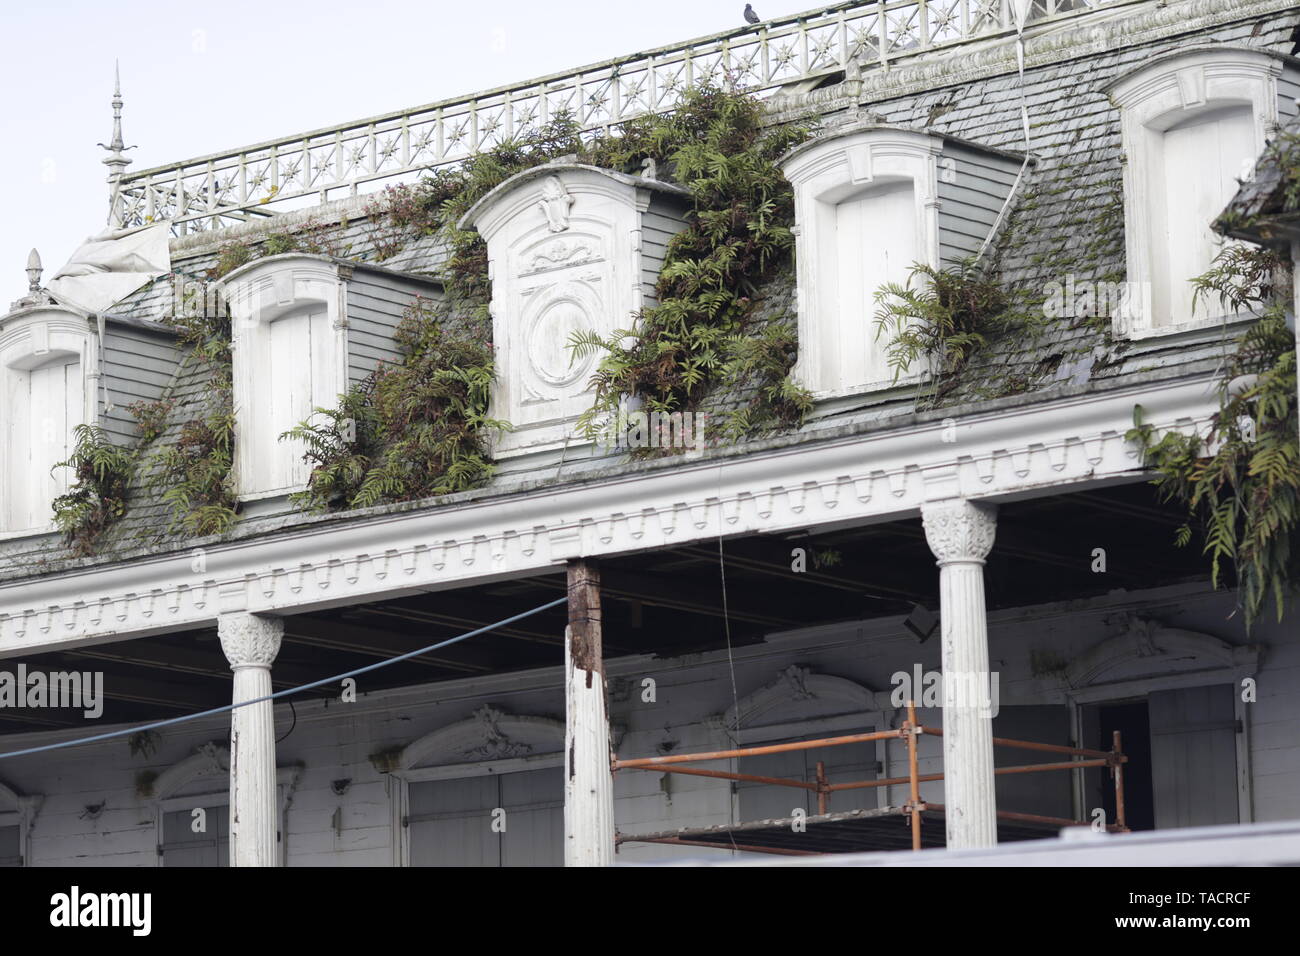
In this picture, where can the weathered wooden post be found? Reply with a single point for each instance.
(588, 784)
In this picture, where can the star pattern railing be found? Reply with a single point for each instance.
(214, 191)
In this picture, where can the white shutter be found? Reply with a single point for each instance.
(876, 242)
(181, 846)
(534, 806)
(450, 821)
(18, 449)
(1194, 756)
(1202, 159)
(291, 381)
(43, 407)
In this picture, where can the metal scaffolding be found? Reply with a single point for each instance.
(844, 825)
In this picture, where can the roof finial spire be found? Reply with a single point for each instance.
(34, 270)
(117, 107)
(115, 160)
(35, 296)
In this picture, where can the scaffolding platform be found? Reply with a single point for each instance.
(849, 831)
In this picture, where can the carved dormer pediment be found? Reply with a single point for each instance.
(571, 249)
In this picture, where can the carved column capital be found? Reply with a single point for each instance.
(958, 530)
(250, 640)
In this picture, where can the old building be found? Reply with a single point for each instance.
(773, 586)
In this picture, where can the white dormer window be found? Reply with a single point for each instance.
(866, 210)
(290, 356)
(571, 248)
(1192, 124)
(47, 365)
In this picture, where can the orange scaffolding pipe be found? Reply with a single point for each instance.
(909, 731)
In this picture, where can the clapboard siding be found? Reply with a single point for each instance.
(333, 743)
(973, 189)
(376, 304)
(1275, 734)
(662, 220)
(138, 365)
(1288, 88)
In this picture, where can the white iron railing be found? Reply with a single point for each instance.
(214, 191)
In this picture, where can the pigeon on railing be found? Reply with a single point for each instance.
(750, 15)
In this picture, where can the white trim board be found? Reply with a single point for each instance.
(1015, 453)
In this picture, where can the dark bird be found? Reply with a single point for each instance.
(750, 15)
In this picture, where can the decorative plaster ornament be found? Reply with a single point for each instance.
(555, 203)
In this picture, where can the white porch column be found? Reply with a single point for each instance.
(251, 643)
(960, 533)
(588, 784)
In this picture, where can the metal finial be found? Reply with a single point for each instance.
(117, 106)
(34, 271)
(115, 161)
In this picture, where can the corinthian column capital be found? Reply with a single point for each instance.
(250, 640)
(958, 530)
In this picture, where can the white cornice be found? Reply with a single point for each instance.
(881, 476)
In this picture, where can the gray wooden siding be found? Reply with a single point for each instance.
(137, 366)
(1288, 88)
(970, 203)
(376, 304)
(659, 223)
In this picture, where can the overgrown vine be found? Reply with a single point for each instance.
(1240, 482)
(193, 474)
(101, 472)
(705, 331)
(311, 237)
(939, 318)
(410, 430)
(415, 429)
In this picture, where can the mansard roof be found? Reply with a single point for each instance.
(1065, 220)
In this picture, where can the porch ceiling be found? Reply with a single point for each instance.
(665, 602)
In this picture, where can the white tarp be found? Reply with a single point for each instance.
(110, 266)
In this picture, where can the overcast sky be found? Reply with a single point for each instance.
(203, 77)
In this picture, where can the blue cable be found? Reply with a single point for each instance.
(291, 690)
